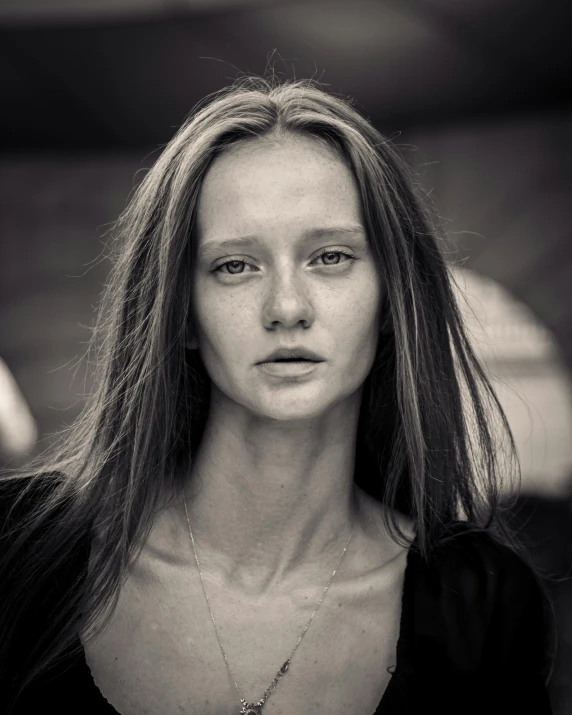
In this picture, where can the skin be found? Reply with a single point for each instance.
(271, 496)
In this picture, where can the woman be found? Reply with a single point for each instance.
(288, 422)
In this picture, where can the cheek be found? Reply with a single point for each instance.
(222, 325)
(357, 312)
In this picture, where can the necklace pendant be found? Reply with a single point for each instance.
(251, 709)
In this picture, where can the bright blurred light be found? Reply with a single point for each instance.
(18, 431)
(523, 362)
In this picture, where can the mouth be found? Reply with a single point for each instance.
(293, 360)
(294, 368)
(297, 354)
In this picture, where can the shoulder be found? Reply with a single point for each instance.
(40, 565)
(20, 496)
(42, 553)
(474, 627)
(26, 490)
(480, 600)
(468, 551)
(34, 525)
(471, 566)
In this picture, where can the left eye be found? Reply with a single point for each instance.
(236, 261)
(335, 253)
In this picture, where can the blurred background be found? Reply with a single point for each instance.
(478, 96)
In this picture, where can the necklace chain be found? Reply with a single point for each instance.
(250, 708)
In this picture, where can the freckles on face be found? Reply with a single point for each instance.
(275, 194)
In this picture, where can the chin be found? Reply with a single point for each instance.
(286, 408)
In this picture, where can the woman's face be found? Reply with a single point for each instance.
(287, 211)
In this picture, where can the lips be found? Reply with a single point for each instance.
(293, 360)
(293, 354)
(290, 369)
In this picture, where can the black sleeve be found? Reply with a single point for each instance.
(479, 641)
(28, 622)
(519, 654)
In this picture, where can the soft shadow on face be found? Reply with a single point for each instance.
(293, 199)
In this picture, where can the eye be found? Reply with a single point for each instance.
(232, 265)
(235, 264)
(329, 253)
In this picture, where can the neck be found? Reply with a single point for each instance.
(270, 501)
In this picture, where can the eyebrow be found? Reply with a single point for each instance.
(311, 234)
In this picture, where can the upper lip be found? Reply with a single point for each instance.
(286, 353)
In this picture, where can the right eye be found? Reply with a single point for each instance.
(232, 262)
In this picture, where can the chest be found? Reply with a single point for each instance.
(159, 653)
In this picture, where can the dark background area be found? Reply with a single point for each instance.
(89, 79)
(477, 94)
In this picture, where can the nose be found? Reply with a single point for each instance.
(287, 303)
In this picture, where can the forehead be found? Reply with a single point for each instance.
(263, 180)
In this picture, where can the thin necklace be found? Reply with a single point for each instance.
(251, 708)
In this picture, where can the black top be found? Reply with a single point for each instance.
(472, 639)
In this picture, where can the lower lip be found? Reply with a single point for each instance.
(288, 369)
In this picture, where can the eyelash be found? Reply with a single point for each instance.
(324, 253)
